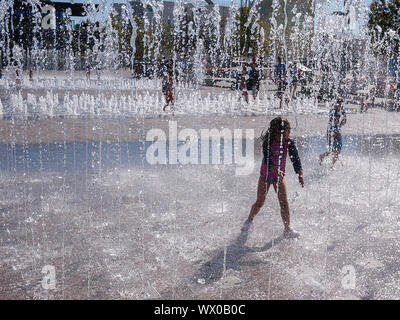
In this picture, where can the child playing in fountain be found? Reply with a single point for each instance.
(254, 81)
(88, 72)
(243, 85)
(363, 106)
(167, 89)
(337, 119)
(294, 73)
(276, 145)
(280, 80)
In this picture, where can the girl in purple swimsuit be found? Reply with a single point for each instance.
(276, 145)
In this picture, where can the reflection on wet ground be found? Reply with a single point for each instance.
(94, 156)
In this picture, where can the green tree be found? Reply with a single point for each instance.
(124, 31)
(297, 37)
(249, 34)
(85, 34)
(384, 26)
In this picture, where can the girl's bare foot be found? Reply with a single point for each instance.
(290, 233)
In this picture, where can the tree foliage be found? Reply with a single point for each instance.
(247, 40)
(384, 26)
(248, 35)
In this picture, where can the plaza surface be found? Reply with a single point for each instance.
(78, 195)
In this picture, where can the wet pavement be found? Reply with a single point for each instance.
(114, 227)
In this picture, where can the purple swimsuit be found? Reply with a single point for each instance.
(276, 149)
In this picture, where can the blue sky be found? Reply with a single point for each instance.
(338, 6)
(332, 7)
(123, 1)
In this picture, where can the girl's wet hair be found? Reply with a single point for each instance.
(337, 106)
(277, 127)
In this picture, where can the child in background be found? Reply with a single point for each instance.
(337, 119)
(294, 72)
(243, 85)
(88, 72)
(276, 145)
(280, 80)
(167, 89)
(363, 106)
(254, 81)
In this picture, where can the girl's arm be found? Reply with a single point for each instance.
(344, 120)
(294, 157)
(301, 178)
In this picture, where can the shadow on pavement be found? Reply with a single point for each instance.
(213, 270)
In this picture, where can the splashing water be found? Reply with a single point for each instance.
(79, 108)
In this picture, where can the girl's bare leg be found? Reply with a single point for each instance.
(322, 156)
(293, 89)
(262, 191)
(284, 203)
(335, 157)
(166, 101)
(246, 97)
